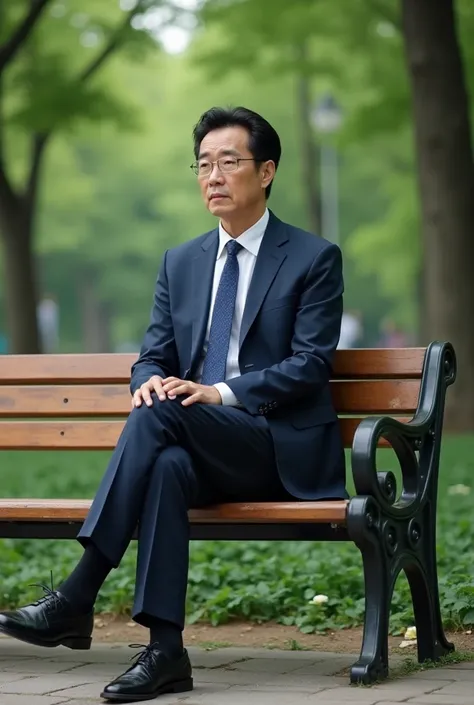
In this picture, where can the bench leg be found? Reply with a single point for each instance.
(389, 545)
(422, 574)
(380, 574)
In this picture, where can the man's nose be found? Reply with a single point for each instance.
(216, 175)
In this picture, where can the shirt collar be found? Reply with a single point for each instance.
(251, 239)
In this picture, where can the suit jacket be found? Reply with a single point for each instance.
(290, 330)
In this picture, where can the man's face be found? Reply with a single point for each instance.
(228, 193)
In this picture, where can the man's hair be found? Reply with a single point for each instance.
(264, 143)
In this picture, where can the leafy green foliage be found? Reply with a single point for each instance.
(356, 53)
(258, 580)
(116, 188)
(44, 88)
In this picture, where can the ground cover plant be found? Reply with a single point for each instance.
(260, 580)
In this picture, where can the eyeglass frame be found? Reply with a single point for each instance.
(195, 165)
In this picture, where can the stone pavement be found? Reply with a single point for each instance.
(227, 676)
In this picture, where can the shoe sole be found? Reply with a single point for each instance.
(78, 643)
(176, 687)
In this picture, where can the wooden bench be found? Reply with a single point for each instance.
(383, 397)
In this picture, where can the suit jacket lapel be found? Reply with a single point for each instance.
(269, 260)
(202, 272)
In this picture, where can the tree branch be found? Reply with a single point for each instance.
(38, 144)
(2, 123)
(22, 32)
(8, 199)
(39, 140)
(6, 191)
(112, 45)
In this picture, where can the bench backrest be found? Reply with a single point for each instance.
(80, 402)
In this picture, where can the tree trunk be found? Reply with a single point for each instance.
(17, 224)
(20, 285)
(95, 317)
(446, 183)
(309, 160)
(309, 152)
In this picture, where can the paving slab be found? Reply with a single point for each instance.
(30, 700)
(434, 699)
(226, 676)
(450, 674)
(455, 688)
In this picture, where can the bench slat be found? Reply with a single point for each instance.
(375, 397)
(379, 363)
(73, 400)
(397, 363)
(106, 368)
(394, 396)
(75, 510)
(95, 435)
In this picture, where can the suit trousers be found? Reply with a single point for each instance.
(168, 459)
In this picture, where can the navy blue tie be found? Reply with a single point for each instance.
(221, 325)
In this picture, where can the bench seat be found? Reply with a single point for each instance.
(75, 510)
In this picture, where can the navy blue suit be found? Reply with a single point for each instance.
(284, 441)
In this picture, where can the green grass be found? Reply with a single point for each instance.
(258, 580)
(410, 665)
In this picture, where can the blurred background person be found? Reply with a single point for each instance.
(48, 323)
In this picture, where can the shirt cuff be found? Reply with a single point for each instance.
(227, 395)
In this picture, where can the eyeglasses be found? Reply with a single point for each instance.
(226, 165)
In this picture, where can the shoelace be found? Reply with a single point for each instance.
(49, 593)
(143, 655)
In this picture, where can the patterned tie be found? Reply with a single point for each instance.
(221, 325)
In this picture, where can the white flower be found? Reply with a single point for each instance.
(319, 600)
(410, 633)
(459, 489)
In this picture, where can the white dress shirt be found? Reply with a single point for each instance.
(250, 240)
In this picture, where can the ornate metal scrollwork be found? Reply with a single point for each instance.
(388, 485)
(398, 533)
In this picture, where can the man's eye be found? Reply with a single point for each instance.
(203, 166)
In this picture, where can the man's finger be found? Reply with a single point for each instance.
(191, 399)
(158, 387)
(172, 387)
(171, 383)
(145, 392)
(182, 388)
(137, 398)
(167, 380)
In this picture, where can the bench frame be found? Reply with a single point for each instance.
(400, 534)
(393, 531)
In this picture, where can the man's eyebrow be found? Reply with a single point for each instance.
(225, 152)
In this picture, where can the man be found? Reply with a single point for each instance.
(230, 400)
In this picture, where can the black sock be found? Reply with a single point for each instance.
(82, 586)
(168, 636)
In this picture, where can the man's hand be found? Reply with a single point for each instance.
(171, 387)
(202, 393)
(143, 393)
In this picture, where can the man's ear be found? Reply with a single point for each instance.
(267, 172)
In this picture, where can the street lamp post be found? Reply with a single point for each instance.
(327, 119)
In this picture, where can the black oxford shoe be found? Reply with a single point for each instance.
(152, 674)
(51, 621)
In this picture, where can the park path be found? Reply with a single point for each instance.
(226, 676)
